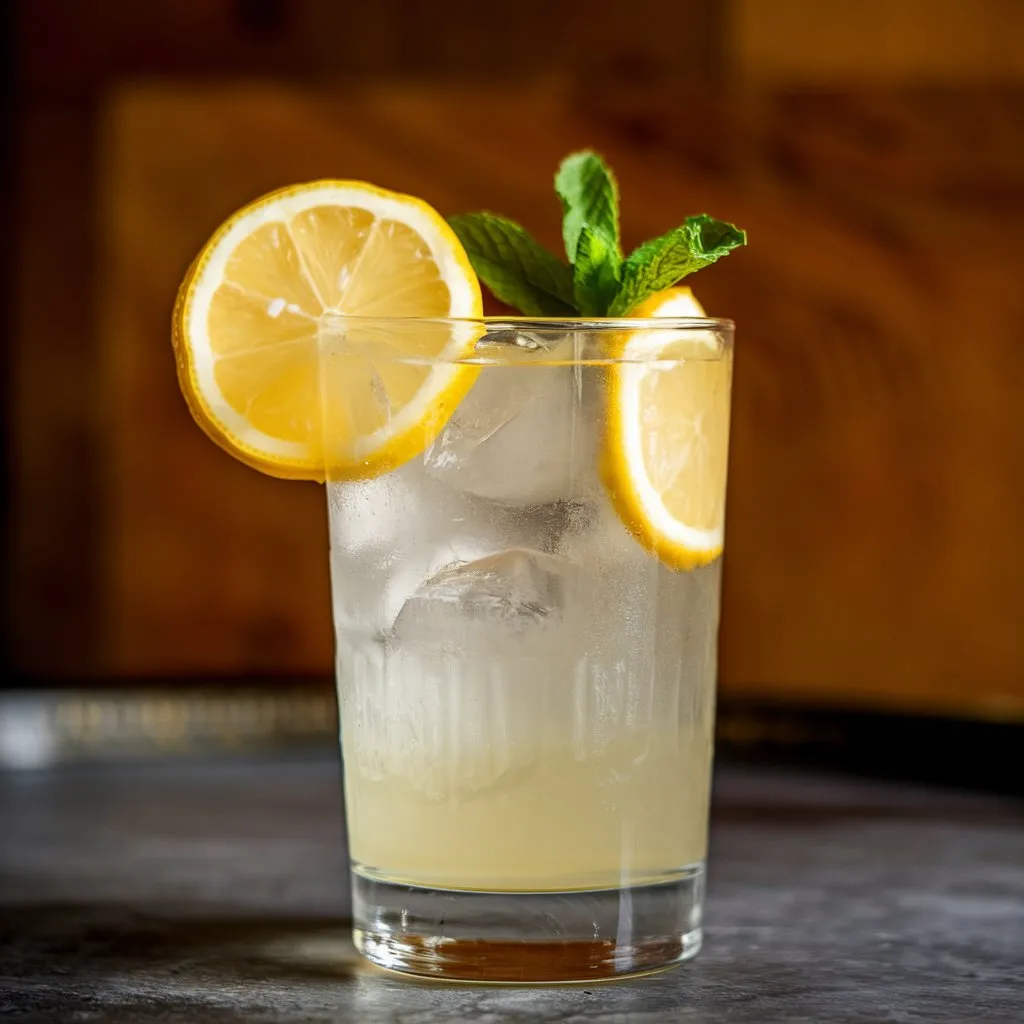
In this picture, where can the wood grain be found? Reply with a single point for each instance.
(877, 480)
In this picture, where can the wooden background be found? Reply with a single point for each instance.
(874, 151)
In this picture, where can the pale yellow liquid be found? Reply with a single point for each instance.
(630, 813)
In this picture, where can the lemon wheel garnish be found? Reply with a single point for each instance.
(667, 435)
(270, 365)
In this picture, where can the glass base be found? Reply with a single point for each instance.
(528, 937)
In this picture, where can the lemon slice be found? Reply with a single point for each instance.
(667, 436)
(271, 369)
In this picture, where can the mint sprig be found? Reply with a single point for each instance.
(596, 281)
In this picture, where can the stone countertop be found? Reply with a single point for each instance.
(215, 891)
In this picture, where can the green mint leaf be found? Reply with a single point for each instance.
(517, 269)
(717, 238)
(595, 273)
(590, 198)
(663, 261)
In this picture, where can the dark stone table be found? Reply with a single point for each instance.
(215, 891)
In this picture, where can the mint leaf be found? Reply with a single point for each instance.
(517, 268)
(590, 198)
(595, 273)
(717, 237)
(663, 261)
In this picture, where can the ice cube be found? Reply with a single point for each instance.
(518, 437)
(471, 681)
(513, 591)
(503, 343)
(390, 533)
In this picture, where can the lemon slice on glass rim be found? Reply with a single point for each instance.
(666, 443)
(271, 371)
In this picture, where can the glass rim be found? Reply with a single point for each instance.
(594, 324)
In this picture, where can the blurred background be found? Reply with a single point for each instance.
(160, 593)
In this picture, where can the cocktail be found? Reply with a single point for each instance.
(526, 524)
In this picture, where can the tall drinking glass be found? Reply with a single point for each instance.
(526, 610)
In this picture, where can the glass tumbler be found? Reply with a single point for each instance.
(526, 610)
